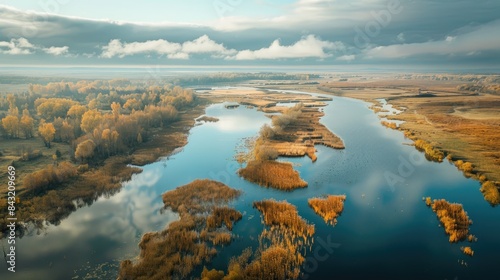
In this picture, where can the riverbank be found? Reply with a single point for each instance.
(102, 178)
(462, 126)
(294, 133)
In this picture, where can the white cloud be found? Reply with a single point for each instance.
(16, 47)
(56, 50)
(481, 39)
(205, 45)
(200, 45)
(350, 57)
(117, 48)
(21, 46)
(307, 47)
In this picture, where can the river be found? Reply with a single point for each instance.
(385, 232)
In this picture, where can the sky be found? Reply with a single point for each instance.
(453, 33)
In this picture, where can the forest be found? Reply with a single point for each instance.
(61, 132)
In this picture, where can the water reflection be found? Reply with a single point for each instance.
(385, 228)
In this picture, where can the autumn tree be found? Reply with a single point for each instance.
(132, 104)
(91, 120)
(85, 150)
(109, 140)
(76, 112)
(67, 132)
(27, 124)
(11, 125)
(51, 108)
(115, 108)
(47, 132)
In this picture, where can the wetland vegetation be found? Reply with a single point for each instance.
(328, 208)
(205, 222)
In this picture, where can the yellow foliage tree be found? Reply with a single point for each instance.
(90, 120)
(27, 124)
(11, 126)
(47, 132)
(85, 150)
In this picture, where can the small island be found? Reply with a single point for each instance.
(453, 218)
(328, 208)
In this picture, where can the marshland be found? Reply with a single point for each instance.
(384, 224)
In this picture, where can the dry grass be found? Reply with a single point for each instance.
(453, 218)
(186, 244)
(272, 174)
(283, 214)
(328, 208)
(207, 119)
(279, 255)
(389, 124)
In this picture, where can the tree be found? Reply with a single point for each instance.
(47, 133)
(116, 107)
(11, 126)
(76, 111)
(139, 138)
(27, 124)
(91, 120)
(132, 104)
(85, 150)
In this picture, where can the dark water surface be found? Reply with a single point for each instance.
(385, 232)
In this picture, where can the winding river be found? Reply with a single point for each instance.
(386, 231)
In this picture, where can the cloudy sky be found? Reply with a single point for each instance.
(250, 32)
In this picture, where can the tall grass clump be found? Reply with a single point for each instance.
(328, 208)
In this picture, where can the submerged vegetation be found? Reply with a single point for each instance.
(328, 208)
(204, 223)
(453, 218)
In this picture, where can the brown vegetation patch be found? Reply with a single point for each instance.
(270, 173)
(207, 119)
(453, 218)
(188, 242)
(389, 124)
(431, 153)
(467, 250)
(279, 254)
(491, 193)
(328, 208)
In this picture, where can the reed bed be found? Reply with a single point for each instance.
(453, 218)
(328, 208)
(272, 174)
(205, 222)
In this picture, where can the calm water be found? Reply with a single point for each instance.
(385, 232)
